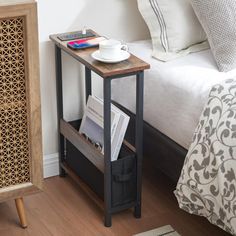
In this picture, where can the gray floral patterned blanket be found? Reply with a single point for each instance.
(207, 185)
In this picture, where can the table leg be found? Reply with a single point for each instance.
(139, 139)
(107, 150)
(88, 84)
(61, 139)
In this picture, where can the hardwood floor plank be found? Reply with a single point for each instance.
(63, 209)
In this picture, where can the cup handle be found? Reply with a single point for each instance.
(124, 47)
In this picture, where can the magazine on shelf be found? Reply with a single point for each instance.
(92, 122)
(120, 131)
(92, 126)
(119, 135)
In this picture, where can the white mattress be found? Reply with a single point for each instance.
(174, 92)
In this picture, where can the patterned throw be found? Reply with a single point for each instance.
(207, 185)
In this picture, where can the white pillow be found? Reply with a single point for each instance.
(218, 18)
(174, 28)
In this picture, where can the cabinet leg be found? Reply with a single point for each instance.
(107, 222)
(137, 211)
(21, 211)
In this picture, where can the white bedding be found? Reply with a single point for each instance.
(174, 92)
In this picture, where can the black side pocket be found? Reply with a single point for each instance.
(124, 180)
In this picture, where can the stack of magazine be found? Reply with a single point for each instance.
(92, 126)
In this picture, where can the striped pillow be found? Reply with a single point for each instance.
(174, 28)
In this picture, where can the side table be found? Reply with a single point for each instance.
(68, 132)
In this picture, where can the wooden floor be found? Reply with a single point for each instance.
(64, 210)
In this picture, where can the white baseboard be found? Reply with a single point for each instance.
(50, 165)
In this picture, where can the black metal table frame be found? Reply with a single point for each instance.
(107, 131)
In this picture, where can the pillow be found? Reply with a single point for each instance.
(218, 18)
(174, 28)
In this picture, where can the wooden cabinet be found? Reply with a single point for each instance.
(20, 115)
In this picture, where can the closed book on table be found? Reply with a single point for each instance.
(92, 125)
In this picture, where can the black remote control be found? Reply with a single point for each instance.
(75, 35)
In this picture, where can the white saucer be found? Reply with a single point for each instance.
(123, 56)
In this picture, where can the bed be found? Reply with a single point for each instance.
(189, 106)
(174, 95)
(185, 102)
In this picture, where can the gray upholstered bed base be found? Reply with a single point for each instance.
(166, 155)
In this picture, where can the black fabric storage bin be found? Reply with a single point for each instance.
(123, 172)
(123, 178)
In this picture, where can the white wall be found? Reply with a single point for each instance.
(118, 19)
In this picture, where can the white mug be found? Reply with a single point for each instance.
(111, 49)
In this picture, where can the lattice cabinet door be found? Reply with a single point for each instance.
(20, 116)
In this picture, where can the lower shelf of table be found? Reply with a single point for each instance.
(123, 173)
(98, 200)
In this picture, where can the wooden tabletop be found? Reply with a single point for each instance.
(105, 70)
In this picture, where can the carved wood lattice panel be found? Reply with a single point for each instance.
(14, 148)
